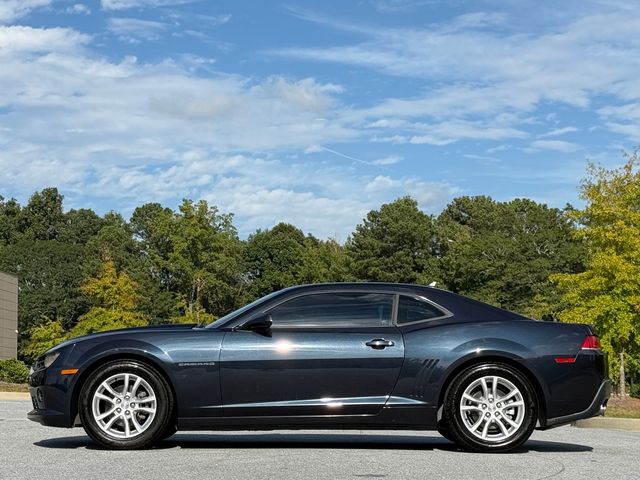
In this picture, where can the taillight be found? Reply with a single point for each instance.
(591, 342)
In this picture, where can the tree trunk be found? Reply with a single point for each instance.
(622, 388)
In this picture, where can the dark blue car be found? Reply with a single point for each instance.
(347, 356)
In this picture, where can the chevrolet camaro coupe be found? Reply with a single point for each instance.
(343, 355)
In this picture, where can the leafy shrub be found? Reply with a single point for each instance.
(13, 371)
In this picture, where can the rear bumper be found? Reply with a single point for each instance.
(596, 408)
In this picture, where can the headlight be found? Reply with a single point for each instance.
(49, 358)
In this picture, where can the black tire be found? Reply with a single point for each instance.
(161, 423)
(453, 415)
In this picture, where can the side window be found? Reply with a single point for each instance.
(335, 310)
(412, 310)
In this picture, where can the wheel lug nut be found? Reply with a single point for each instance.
(119, 410)
(498, 405)
(118, 400)
(487, 414)
(127, 413)
(484, 405)
(133, 405)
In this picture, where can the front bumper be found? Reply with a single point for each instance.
(49, 418)
(51, 398)
(596, 408)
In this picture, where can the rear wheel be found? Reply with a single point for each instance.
(490, 408)
(126, 405)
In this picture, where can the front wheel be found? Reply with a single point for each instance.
(490, 408)
(126, 405)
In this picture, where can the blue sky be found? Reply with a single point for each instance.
(313, 112)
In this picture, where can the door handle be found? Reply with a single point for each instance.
(380, 343)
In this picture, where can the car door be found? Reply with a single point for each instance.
(329, 353)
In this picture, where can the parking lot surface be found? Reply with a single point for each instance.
(30, 451)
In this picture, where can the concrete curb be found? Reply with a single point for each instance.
(14, 396)
(611, 423)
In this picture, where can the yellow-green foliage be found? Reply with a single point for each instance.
(42, 338)
(114, 300)
(114, 297)
(111, 290)
(607, 293)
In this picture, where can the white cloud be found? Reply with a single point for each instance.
(558, 132)
(396, 6)
(477, 20)
(313, 149)
(382, 183)
(26, 40)
(324, 200)
(389, 160)
(134, 132)
(582, 54)
(448, 132)
(13, 9)
(78, 9)
(131, 110)
(126, 4)
(630, 130)
(555, 145)
(629, 111)
(134, 29)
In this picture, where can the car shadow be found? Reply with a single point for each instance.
(309, 440)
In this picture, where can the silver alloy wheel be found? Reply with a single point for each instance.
(492, 408)
(124, 405)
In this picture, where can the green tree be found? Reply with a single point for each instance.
(324, 261)
(607, 293)
(283, 256)
(205, 258)
(195, 254)
(49, 274)
(43, 218)
(116, 240)
(503, 252)
(114, 298)
(79, 226)
(9, 220)
(273, 258)
(394, 244)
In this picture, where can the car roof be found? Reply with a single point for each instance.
(390, 286)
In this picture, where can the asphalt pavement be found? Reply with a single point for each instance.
(30, 451)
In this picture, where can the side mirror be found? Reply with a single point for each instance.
(261, 324)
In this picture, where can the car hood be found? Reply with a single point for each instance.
(130, 330)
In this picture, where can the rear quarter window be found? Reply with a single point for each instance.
(414, 310)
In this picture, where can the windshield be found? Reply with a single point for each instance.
(241, 310)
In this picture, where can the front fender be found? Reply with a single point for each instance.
(189, 361)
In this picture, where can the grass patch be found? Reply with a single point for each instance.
(13, 387)
(627, 407)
